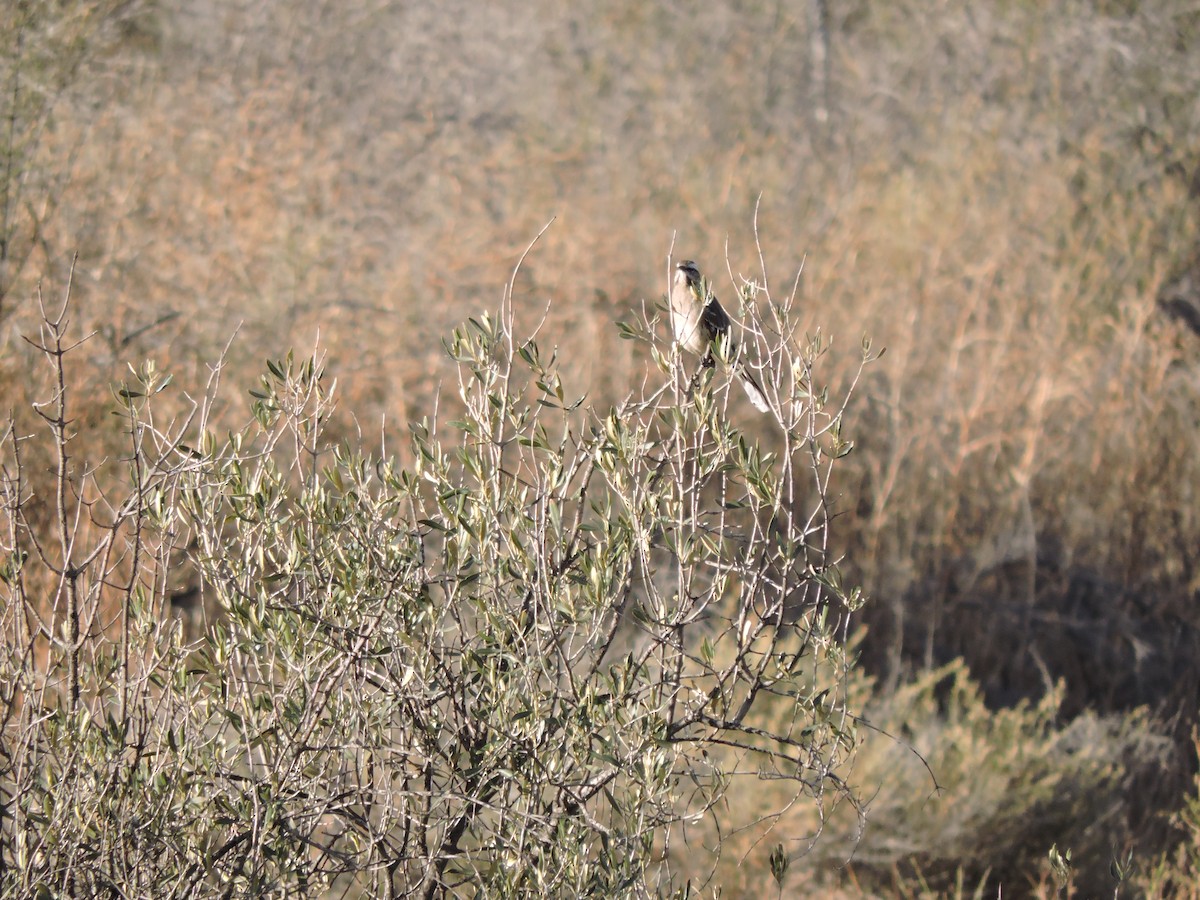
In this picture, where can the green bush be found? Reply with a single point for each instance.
(502, 671)
(962, 797)
(1176, 872)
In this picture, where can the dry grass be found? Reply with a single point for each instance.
(997, 197)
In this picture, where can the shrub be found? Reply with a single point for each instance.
(1176, 872)
(1010, 785)
(955, 799)
(502, 671)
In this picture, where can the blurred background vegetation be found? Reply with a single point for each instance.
(1005, 195)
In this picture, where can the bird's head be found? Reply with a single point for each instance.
(687, 271)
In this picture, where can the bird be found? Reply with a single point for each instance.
(698, 319)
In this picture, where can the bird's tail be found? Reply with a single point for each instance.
(753, 390)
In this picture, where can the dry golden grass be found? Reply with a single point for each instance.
(997, 198)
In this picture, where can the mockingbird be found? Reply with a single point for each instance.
(698, 320)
